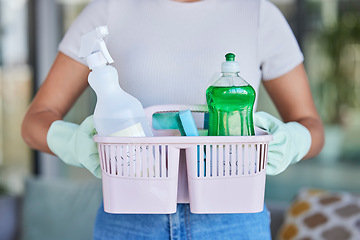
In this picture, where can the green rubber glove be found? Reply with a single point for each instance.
(291, 142)
(74, 144)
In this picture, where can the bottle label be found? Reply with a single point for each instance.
(135, 130)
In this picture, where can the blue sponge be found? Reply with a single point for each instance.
(187, 124)
(188, 127)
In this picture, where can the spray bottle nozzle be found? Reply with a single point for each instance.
(93, 48)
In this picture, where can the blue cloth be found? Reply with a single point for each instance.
(182, 225)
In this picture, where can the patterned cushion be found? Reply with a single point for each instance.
(322, 215)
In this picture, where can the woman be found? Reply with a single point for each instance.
(165, 52)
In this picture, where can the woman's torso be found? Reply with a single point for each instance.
(169, 52)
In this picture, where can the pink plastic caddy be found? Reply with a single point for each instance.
(220, 174)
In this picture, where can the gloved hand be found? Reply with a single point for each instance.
(291, 142)
(74, 144)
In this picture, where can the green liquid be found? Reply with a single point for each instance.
(231, 110)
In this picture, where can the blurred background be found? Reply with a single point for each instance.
(328, 32)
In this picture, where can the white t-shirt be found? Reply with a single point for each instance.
(169, 52)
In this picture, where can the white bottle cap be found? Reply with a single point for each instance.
(230, 66)
(96, 60)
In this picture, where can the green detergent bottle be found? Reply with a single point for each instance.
(230, 100)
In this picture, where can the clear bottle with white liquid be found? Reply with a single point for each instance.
(117, 113)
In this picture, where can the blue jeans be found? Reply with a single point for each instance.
(182, 225)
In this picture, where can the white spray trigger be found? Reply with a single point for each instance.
(92, 43)
(105, 52)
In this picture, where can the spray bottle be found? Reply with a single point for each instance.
(117, 113)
